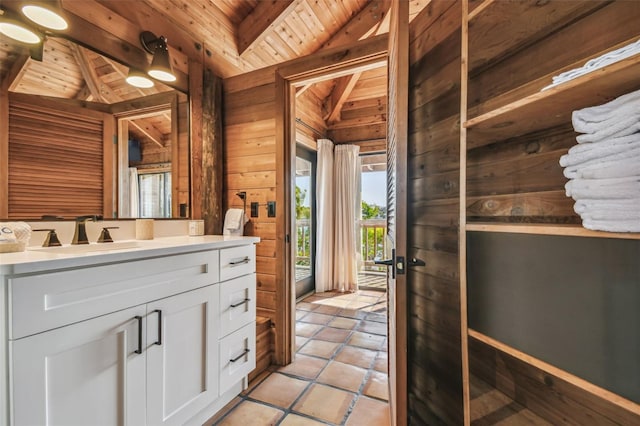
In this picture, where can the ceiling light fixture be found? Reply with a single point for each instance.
(45, 14)
(16, 30)
(160, 68)
(137, 78)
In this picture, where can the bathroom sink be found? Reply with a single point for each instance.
(88, 248)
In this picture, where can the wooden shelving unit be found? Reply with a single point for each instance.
(501, 102)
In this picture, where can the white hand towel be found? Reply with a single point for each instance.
(622, 164)
(610, 214)
(584, 205)
(234, 222)
(600, 150)
(631, 225)
(606, 111)
(627, 111)
(623, 127)
(606, 189)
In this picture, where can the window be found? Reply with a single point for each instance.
(155, 194)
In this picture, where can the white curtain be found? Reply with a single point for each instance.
(134, 196)
(346, 183)
(324, 217)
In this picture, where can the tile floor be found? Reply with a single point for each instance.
(339, 375)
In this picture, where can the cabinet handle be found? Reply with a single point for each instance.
(139, 318)
(159, 342)
(246, 351)
(240, 262)
(235, 305)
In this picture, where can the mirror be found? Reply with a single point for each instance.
(83, 141)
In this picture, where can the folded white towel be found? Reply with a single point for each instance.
(608, 214)
(606, 111)
(599, 150)
(603, 189)
(234, 221)
(631, 225)
(623, 142)
(628, 111)
(584, 205)
(622, 164)
(623, 127)
(597, 63)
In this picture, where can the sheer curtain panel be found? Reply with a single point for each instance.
(325, 215)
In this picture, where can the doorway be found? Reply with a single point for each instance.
(305, 222)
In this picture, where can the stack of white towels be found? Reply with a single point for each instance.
(604, 168)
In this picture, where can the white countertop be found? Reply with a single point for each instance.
(39, 259)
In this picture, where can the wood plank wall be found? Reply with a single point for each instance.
(250, 166)
(435, 370)
(519, 179)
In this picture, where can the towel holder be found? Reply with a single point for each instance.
(243, 196)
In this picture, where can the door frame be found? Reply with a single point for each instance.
(331, 63)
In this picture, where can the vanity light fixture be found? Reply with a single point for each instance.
(16, 30)
(137, 78)
(45, 14)
(160, 68)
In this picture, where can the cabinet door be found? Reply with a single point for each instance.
(182, 355)
(87, 373)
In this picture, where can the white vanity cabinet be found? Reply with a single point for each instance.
(131, 342)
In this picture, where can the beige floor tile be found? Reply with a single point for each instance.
(319, 348)
(357, 304)
(306, 330)
(327, 309)
(296, 420)
(382, 362)
(378, 294)
(377, 386)
(305, 306)
(223, 411)
(372, 316)
(324, 403)
(316, 318)
(369, 412)
(300, 341)
(351, 313)
(379, 308)
(366, 340)
(356, 356)
(373, 327)
(332, 302)
(341, 375)
(331, 334)
(304, 366)
(279, 390)
(249, 412)
(345, 323)
(300, 314)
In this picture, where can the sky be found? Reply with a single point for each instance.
(374, 186)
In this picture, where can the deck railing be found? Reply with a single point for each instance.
(373, 242)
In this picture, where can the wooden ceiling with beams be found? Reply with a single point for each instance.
(230, 36)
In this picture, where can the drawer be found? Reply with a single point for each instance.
(237, 356)
(237, 303)
(49, 300)
(237, 261)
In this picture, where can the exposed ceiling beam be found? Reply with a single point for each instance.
(149, 131)
(15, 74)
(361, 24)
(88, 71)
(339, 95)
(266, 14)
(301, 89)
(84, 94)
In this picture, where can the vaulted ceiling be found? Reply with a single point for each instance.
(230, 36)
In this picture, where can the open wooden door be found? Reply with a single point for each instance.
(397, 131)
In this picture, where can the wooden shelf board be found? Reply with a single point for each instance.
(548, 229)
(553, 107)
(557, 372)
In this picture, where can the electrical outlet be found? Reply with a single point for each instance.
(254, 209)
(271, 209)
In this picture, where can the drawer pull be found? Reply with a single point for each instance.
(235, 305)
(246, 351)
(159, 341)
(139, 318)
(240, 262)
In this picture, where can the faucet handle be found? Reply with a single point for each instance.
(52, 238)
(105, 236)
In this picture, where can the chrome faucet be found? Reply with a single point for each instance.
(80, 234)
